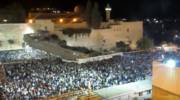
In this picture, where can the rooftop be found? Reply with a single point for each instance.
(125, 89)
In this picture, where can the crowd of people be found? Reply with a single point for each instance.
(22, 54)
(32, 78)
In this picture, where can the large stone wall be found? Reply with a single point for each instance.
(60, 26)
(42, 24)
(107, 38)
(49, 25)
(14, 33)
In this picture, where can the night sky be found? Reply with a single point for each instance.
(121, 8)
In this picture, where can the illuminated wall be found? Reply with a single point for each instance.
(42, 24)
(11, 35)
(99, 38)
(49, 25)
(107, 38)
(165, 82)
(70, 25)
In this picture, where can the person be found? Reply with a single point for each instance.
(49, 75)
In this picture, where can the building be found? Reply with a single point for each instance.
(106, 38)
(108, 12)
(166, 78)
(54, 20)
(103, 38)
(42, 25)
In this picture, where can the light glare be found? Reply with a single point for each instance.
(61, 20)
(28, 30)
(30, 21)
(171, 63)
(74, 19)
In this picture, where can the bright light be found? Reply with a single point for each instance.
(132, 61)
(75, 19)
(148, 20)
(162, 56)
(171, 63)
(30, 21)
(28, 30)
(176, 36)
(61, 20)
(5, 20)
(156, 21)
(108, 9)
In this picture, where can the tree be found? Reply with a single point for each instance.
(80, 31)
(96, 17)
(145, 43)
(62, 43)
(87, 13)
(122, 46)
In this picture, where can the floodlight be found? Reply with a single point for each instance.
(30, 21)
(171, 63)
(28, 30)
